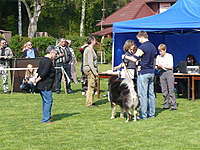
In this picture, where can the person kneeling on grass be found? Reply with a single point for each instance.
(30, 76)
(46, 74)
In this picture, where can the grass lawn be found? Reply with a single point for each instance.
(80, 128)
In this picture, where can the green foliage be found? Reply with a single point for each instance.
(77, 42)
(17, 43)
(40, 43)
(10, 23)
(58, 17)
(107, 48)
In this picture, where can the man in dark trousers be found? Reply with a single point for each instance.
(63, 59)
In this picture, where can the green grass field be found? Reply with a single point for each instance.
(80, 128)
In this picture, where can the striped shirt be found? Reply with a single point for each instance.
(66, 58)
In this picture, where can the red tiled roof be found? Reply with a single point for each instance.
(163, 1)
(133, 10)
(103, 32)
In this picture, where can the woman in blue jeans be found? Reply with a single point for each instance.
(46, 75)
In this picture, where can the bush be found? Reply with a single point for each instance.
(77, 42)
(16, 44)
(107, 48)
(41, 43)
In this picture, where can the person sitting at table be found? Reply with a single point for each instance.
(191, 61)
(129, 66)
(30, 76)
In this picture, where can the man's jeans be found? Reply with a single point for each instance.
(47, 101)
(67, 68)
(145, 87)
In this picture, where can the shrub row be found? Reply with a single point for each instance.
(41, 43)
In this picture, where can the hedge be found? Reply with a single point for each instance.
(41, 43)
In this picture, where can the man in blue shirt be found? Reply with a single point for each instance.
(29, 51)
(145, 81)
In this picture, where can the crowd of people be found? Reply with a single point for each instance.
(60, 61)
(139, 63)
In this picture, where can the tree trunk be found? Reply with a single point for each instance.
(33, 19)
(82, 18)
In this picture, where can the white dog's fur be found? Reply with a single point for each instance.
(124, 95)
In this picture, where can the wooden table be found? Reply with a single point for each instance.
(103, 76)
(189, 77)
(194, 77)
(184, 76)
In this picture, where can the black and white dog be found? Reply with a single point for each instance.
(123, 93)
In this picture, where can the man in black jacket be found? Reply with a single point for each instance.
(46, 74)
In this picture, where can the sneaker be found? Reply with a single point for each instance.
(57, 92)
(48, 122)
(7, 92)
(70, 92)
(83, 93)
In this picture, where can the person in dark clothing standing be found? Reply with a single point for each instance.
(63, 59)
(44, 81)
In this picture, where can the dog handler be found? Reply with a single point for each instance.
(145, 81)
(46, 74)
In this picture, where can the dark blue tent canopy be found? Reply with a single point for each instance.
(178, 28)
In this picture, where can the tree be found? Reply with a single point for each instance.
(82, 18)
(33, 18)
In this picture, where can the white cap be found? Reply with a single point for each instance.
(69, 41)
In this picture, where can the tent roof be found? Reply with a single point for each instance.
(184, 14)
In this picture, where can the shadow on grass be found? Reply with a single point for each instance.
(101, 102)
(64, 115)
(76, 91)
(158, 111)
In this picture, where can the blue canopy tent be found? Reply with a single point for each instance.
(178, 28)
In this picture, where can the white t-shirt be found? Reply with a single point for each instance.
(167, 60)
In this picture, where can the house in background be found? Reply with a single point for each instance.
(133, 10)
(6, 34)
